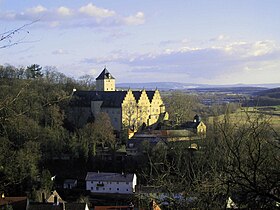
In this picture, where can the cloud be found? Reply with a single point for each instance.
(59, 52)
(211, 63)
(36, 10)
(88, 15)
(221, 37)
(94, 11)
(64, 11)
(137, 19)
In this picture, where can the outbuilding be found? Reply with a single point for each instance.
(97, 182)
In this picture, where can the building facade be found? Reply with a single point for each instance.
(111, 183)
(126, 109)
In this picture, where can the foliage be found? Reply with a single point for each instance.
(33, 102)
(34, 71)
(46, 182)
(251, 166)
(100, 132)
(237, 160)
(181, 107)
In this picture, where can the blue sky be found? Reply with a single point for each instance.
(191, 41)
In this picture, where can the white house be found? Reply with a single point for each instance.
(110, 182)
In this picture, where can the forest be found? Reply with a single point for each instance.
(237, 160)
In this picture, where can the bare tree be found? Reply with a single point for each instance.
(7, 38)
(180, 106)
(251, 163)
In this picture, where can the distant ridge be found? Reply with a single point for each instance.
(271, 93)
(186, 86)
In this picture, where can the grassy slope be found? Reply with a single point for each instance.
(241, 115)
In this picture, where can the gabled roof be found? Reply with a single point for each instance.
(75, 206)
(105, 74)
(137, 142)
(150, 95)
(109, 98)
(60, 206)
(51, 198)
(10, 200)
(70, 181)
(137, 95)
(113, 208)
(18, 203)
(44, 206)
(191, 124)
(115, 177)
(112, 99)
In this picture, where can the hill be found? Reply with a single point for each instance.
(270, 97)
(271, 93)
(190, 86)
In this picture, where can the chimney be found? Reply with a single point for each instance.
(43, 197)
(55, 201)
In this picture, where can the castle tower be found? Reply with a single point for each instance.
(105, 81)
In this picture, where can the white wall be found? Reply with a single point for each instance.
(110, 187)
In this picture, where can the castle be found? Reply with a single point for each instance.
(126, 109)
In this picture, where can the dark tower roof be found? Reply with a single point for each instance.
(197, 118)
(105, 74)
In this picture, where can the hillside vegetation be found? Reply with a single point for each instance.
(271, 93)
(238, 158)
(270, 97)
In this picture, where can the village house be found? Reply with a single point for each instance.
(196, 126)
(54, 198)
(97, 182)
(135, 146)
(126, 109)
(70, 183)
(188, 131)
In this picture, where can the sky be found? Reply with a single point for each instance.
(188, 41)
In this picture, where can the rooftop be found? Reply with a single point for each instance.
(105, 74)
(96, 176)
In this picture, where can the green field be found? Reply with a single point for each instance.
(270, 113)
